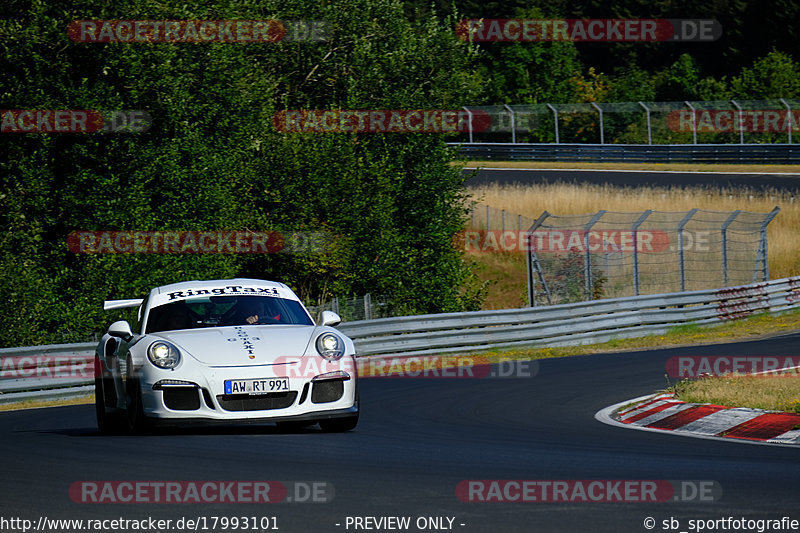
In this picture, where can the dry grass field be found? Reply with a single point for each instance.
(506, 272)
(773, 393)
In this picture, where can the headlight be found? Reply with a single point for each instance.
(330, 346)
(163, 354)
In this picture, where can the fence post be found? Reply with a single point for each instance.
(762, 246)
(488, 218)
(335, 305)
(503, 213)
(602, 137)
(789, 119)
(724, 232)
(367, 307)
(513, 127)
(741, 122)
(636, 225)
(532, 263)
(555, 113)
(647, 111)
(760, 258)
(694, 121)
(681, 225)
(469, 119)
(587, 257)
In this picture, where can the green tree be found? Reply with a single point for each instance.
(212, 159)
(776, 75)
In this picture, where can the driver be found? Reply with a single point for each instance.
(247, 310)
(179, 317)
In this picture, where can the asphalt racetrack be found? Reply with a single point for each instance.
(417, 439)
(635, 178)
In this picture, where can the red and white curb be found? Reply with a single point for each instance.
(664, 413)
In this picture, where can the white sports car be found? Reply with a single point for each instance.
(238, 350)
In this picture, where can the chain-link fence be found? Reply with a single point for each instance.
(364, 307)
(688, 122)
(486, 217)
(608, 254)
(612, 254)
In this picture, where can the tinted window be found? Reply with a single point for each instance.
(214, 311)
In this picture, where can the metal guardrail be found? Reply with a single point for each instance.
(568, 324)
(53, 371)
(633, 153)
(558, 325)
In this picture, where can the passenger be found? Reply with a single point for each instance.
(179, 317)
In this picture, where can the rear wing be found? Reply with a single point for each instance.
(119, 304)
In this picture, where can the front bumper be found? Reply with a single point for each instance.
(199, 396)
(310, 417)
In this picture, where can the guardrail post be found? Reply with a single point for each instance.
(488, 218)
(635, 227)
(789, 119)
(741, 122)
(647, 114)
(602, 138)
(555, 114)
(724, 232)
(503, 214)
(694, 121)
(513, 128)
(681, 225)
(587, 257)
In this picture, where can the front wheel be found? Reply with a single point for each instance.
(137, 421)
(107, 423)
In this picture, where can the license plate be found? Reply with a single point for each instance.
(256, 386)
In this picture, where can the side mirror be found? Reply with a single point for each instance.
(121, 329)
(329, 318)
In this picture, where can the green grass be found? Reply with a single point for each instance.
(36, 404)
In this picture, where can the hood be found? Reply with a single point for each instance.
(241, 345)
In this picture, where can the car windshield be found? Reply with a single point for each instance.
(215, 311)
